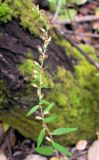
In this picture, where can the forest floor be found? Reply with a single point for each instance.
(16, 147)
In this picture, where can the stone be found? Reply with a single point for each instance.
(35, 157)
(93, 152)
(81, 145)
(2, 156)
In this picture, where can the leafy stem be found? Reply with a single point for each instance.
(45, 106)
(43, 52)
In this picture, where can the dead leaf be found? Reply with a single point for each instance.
(35, 157)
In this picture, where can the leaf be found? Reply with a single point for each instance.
(50, 119)
(41, 137)
(43, 101)
(61, 131)
(48, 108)
(32, 110)
(61, 149)
(44, 150)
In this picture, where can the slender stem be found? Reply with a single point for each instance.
(40, 92)
(46, 42)
(89, 18)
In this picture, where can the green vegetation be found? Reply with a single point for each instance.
(44, 107)
(27, 68)
(76, 95)
(29, 15)
(64, 13)
(5, 13)
(3, 98)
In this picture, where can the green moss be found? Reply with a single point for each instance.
(31, 71)
(17, 119)
(72, 51)
(3, 98)
(27, 67)
(15, 115)
(26, 12)
(77, 99)
(5, 13)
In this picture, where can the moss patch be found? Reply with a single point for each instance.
(17, 119)
(31, 69)
(27, 67)
(76, 97)
(26, 12)
(3, 98)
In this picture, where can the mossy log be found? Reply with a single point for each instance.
(19, 48)
(16, 94)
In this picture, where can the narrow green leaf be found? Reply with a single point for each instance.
(61, 149)
(41, 137)
(45, 150)
(32, 110)
(43, 101)
(50, 119)
(48, 108)
(61, 131)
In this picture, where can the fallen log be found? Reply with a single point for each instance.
(17, 95)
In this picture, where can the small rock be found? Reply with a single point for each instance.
(53, 158)
(2, 156)
(81, 145)
(35, 157)
(93, 152)
(81, 158)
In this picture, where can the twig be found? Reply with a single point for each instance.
(83, 34)
(78, 154)
(79, 20)
(88, 58)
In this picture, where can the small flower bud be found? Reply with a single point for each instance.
(38, 117)
(49, 139)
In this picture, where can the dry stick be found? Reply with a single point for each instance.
(57, 10)
(78, 154)
(83, 34)
(79, 20)
(96, 64)
(89, 59)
